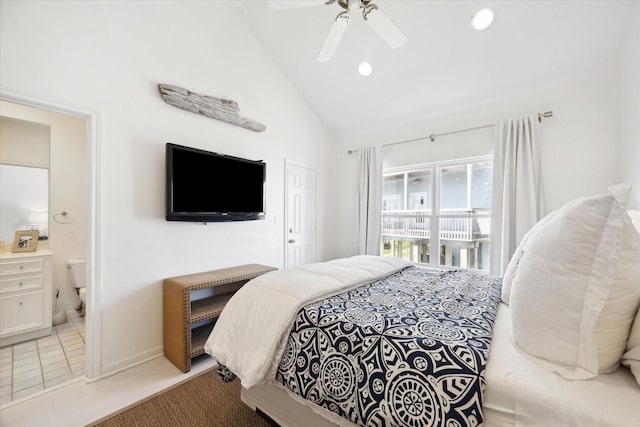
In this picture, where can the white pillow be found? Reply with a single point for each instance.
(574, 290)
(612, 328)
(512, 267)
(632, 356)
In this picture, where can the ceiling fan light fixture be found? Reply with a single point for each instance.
(365, 69)
(382, 25)
(335, 34)
(482, 19)
(377, 20)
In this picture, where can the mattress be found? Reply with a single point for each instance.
(521, 393)
(518, 393)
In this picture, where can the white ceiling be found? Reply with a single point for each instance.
(444, 64)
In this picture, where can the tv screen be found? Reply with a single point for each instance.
(203, 186)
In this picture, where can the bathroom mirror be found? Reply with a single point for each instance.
(24, 177)
(24, 200)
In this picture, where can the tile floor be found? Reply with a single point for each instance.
(32, 366)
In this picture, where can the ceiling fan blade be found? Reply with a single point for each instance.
(332, 40)
(385, 28)
(277, 5)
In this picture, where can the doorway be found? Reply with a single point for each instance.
(300, 210)
(81, 358)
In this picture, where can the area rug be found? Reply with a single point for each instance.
(201, 401)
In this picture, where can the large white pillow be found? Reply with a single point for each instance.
(631, 357)
(512, 268)
(614, 323)
(577, 287)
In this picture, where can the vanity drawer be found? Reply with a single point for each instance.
(21, 282)
(21, 266)
(20, 312)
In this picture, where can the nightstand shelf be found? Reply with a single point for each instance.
(199, 337)
(208, 308)
(192, 304)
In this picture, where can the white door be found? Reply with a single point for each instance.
(300, 223)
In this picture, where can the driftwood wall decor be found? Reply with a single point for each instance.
(216, 108)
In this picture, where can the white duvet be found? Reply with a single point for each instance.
(252, 330)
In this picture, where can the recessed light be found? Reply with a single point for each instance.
(365, 69)
(482, 19)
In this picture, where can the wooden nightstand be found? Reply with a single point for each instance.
(192, 304)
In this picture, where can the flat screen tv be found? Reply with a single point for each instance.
(203, 186)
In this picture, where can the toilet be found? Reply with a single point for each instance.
(77, 276)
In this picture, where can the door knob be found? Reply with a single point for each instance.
(292, 240)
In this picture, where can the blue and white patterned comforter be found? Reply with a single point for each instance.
(408, 350)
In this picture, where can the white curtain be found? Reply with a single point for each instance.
(369, 201)
(518, 195)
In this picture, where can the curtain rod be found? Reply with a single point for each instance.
(433, 136)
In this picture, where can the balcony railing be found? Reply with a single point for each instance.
(416, 225)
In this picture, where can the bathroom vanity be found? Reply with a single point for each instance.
(25, 296)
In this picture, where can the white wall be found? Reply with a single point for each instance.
(447, 147)
(107, 58)
(579, 147)
(629, 90)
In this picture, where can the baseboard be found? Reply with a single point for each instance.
(129, 362)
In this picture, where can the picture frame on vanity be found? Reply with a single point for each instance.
(25, 241)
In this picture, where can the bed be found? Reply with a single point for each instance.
(518, 393)
(360, 341)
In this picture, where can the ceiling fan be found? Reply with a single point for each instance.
(377, 19)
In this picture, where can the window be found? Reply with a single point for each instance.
(439, 214)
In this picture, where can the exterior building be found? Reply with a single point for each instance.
(458, 234)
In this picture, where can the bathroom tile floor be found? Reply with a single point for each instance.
(32, 366)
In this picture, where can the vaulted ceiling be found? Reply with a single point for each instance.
(445, 63)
